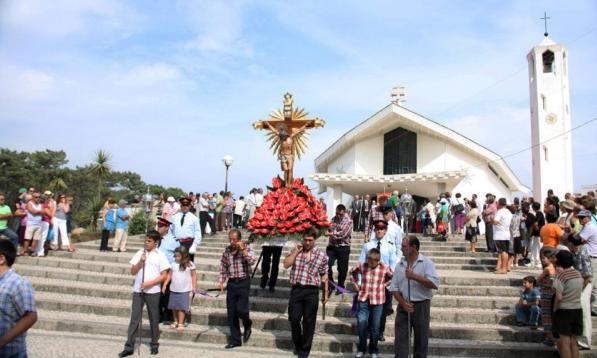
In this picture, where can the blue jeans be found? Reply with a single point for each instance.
(529, 315)
(12, 236)
(368, 318)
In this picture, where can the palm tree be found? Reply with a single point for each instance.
(101, 168)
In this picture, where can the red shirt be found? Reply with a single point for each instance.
(373, 282)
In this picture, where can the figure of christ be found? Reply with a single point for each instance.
(286, 151)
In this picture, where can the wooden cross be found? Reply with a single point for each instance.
(294, 118)
(545, 18)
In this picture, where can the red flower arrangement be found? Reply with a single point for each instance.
(288, 212)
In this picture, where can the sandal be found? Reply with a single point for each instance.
(180, 328)
(174, 325)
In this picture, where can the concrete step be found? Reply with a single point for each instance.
(323, 342)
(207, 315)
(213, 259)
(207, 273)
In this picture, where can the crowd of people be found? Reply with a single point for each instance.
(37, 222)
(559, 237)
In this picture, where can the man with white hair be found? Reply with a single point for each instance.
(204, 218)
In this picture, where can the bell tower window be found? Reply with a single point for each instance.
(548, 58)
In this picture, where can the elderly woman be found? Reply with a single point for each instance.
(471, 226)
(122, 225)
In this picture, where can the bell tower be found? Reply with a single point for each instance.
(550, 119)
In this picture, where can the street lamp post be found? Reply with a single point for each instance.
(148, 203)
(227, 160)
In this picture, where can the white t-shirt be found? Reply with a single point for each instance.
(155, 263)
(501, 231)
(182, 281)
(239, 207)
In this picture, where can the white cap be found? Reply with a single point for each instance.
(170, 199)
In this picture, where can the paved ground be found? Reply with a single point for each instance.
(45, 344)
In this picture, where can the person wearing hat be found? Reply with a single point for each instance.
(150, 268)
(186, 228)
(167, 245)
(388, 257)
(588, 236)
(170, 208)
(122, 225)
(566, 219)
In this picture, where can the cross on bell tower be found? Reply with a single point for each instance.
(545, 18)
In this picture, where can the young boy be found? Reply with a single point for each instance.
(370, 279)
(17, 304)
(528, 310)
(150, 268)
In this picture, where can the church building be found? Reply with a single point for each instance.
(399, 149)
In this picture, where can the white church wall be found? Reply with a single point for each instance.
(369, 156)
(336, 196)
(345, 163)
(430, 154)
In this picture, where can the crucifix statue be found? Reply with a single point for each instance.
(287, 133)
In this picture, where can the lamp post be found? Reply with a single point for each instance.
(148, 203)
(227, 160)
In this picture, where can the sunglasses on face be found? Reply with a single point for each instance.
(380, 229)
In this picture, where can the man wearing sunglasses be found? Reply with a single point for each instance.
(186, 228)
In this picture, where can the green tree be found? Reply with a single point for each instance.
(101, 168)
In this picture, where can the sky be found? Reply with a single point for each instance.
(170, 87)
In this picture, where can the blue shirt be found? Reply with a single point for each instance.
(531, 296)
(16, 298)
(167, 245)
(109, 222)
(190, 227)
(386, 248)
(422, 267)
(120, 222)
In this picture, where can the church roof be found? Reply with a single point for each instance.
(393, 116)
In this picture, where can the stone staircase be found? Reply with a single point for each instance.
(472, 313)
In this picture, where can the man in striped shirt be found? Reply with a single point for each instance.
(235, 267)
(309, 270)
(370, 279)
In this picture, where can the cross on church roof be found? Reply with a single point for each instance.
(545, 18)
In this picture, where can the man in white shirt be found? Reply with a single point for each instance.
(186, 228)
(204, 218)
(170, 208)
(150, 268)
(239, 212)
(501, 235)
(259, 197)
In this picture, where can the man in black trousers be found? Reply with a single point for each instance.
(338, 249)
(271, 259)
(235, 267)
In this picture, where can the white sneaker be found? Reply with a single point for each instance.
(40, 255)
(374, 355)
(360, 355)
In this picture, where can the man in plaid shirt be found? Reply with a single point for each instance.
(17, 305)
(235, 267)
(370, 279)
(375, 214)
(309, 270)
(339, 245)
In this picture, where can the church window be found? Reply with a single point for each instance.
(545, 153)
(400, 152)
(544, 102)
(548, 59)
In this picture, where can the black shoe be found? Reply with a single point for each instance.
(262, 285)
(126, 353)
(247, 334)
(230, 346)
(272, 289)
(338, 293)
(382, 338)
(153, 351)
